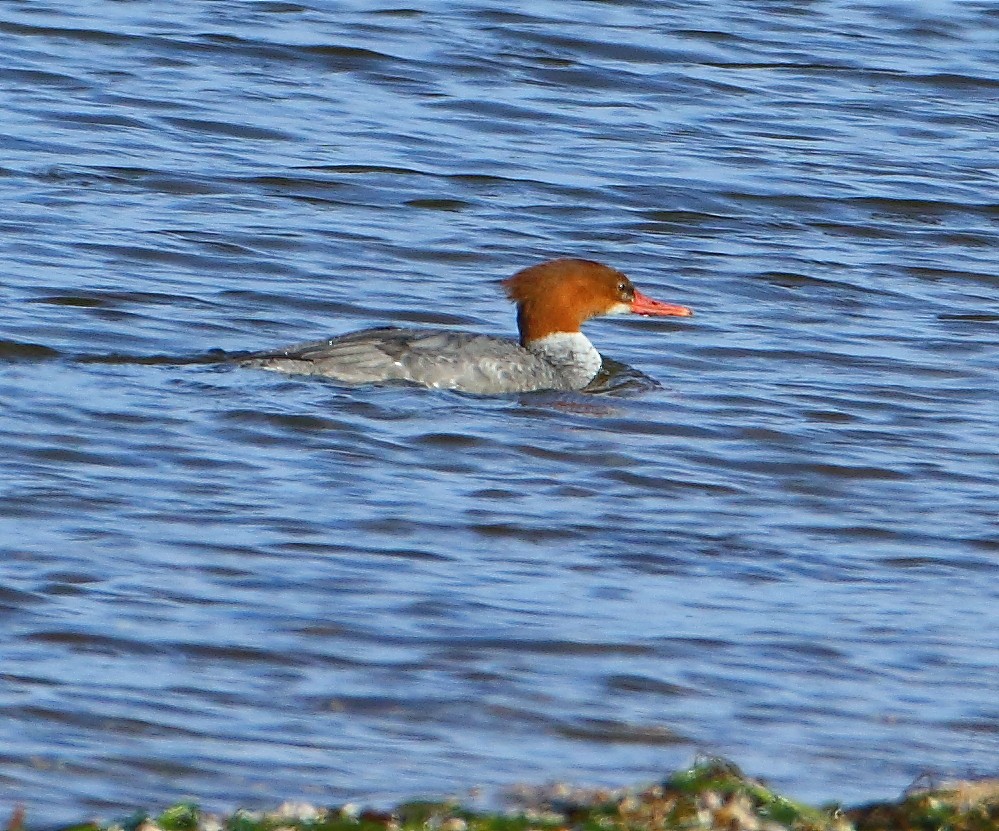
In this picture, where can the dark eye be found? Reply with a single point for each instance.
(624, 289)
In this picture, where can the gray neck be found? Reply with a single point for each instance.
(572, 354)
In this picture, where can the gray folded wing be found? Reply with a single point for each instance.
(432, 357)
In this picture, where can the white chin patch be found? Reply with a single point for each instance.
(619, 309)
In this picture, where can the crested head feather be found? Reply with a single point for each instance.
(560, 295)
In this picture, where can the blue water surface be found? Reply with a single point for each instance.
(237, 587)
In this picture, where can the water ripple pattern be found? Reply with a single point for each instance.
(237, 587)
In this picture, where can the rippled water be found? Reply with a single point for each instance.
(239, 587)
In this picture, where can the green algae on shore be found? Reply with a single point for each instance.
(710, 796)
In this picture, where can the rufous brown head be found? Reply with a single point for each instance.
(560, 295)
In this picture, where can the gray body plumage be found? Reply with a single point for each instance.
(441, 359)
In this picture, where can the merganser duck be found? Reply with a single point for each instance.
(553, 300)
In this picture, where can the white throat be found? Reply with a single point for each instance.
(572, 354)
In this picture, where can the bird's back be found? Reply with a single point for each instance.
(432, 357)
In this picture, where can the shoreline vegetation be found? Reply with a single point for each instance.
(712, 795)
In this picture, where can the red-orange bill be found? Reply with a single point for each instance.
(645, 305)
